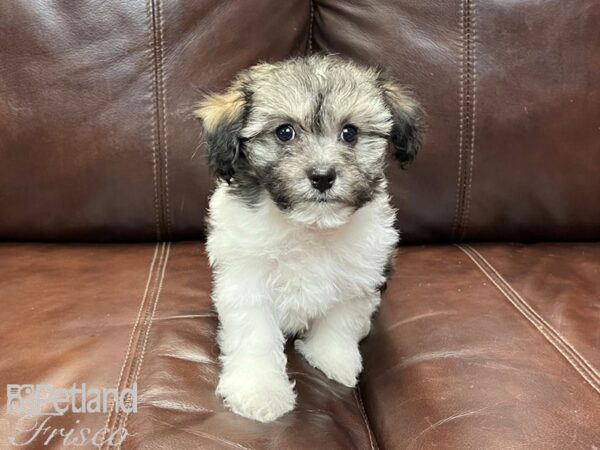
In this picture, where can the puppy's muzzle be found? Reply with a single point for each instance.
(322, 180)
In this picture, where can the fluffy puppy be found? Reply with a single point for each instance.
(301, 230)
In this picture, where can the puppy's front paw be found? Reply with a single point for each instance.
(341, 363)
(262, 397)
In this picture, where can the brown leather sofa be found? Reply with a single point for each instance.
(480, 343)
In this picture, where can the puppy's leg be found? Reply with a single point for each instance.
(331, 343)
(253, 382)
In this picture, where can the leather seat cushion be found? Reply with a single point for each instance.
(491, 346)
(487, 346)
(114, 315)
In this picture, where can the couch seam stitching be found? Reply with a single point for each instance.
(159, 128)
(154, 124)
(135, 358)
(536, 314)
(363, 413)
(125, 416)
(460, 119)
(582, 366)
(466, 126)
(133, 333)
(473, 87)
(309, 46)
(165, 148)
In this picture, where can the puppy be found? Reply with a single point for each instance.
(300, 231)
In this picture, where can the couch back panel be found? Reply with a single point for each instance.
(512, 93)
(97, 140)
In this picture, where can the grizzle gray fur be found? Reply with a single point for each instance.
(317, 96)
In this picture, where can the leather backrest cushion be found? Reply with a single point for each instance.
(512, 93)
(97, 140)
(97, 136)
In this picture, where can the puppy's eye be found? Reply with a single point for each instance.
(285, 133)
(349, 133)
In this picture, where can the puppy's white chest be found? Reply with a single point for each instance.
(309, 277)
(311, 272)
(301, 272)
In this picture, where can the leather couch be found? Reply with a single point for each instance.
(488, 336)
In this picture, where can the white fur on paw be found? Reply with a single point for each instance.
(262, 397)
(340, 363)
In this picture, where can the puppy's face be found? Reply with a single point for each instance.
(312, 133)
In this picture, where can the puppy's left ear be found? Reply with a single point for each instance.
(407, 118)
(223, 117)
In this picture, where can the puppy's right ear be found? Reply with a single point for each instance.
(223, 117)
(407, 118)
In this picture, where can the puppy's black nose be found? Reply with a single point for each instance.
(322, 179)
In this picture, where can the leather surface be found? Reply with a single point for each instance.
(499, 351)
(97, 138)
(512, 94)
(97, 141)
(67, 315)
(114, 315)
(484, 346)
(487, 346)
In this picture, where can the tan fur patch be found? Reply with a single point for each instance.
(401, 98)
(217, 108)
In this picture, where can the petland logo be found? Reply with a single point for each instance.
(37, 404)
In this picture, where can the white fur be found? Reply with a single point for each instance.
(314, 272)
